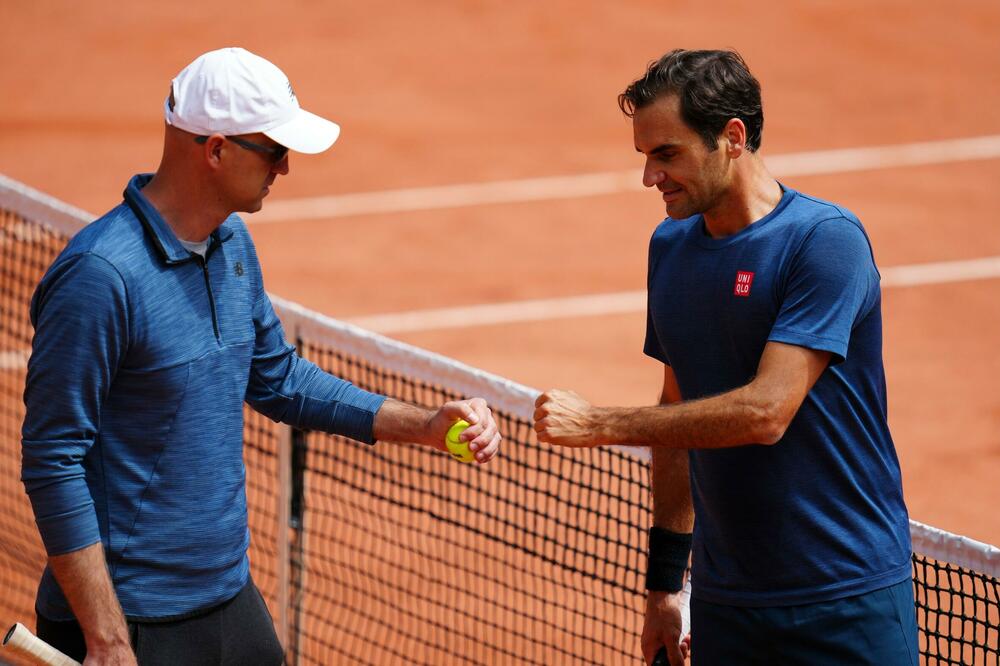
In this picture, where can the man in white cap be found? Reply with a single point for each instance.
(151, 330)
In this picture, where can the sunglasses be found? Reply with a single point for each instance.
(274, 153)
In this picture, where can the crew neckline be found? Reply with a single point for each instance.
(706, 241)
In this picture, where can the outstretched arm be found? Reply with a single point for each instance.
(757, 413)
(290, 389)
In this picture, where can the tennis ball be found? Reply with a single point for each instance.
(458, 449)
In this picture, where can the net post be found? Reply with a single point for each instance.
(296, 527)
(294, 468)
(284, 526)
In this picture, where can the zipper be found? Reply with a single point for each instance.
(211, 298)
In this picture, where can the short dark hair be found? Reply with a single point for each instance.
(712, 86)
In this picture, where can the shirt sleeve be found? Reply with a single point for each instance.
(831, 284)
(652, 346)
(80, 315)
(287, 388)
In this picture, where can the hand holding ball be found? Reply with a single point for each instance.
(458, 449)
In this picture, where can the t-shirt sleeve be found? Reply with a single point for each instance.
(652, 346)
(832, 282)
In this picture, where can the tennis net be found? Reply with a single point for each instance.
(386, 554)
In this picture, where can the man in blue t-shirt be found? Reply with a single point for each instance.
(771, 437)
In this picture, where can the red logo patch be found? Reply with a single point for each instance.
(743, 281)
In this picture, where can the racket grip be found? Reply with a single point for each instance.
(661, 658)
(20, 641)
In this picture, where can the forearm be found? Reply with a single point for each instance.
(734, 418)
(757, 413)
(398, 421)
(673, 522)
(671, 490)
(83, 577)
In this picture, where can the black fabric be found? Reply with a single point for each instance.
(63, 636)
(668, 559)
(239, 631)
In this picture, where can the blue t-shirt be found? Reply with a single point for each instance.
(820, 514)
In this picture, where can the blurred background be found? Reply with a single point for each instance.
(508, 111)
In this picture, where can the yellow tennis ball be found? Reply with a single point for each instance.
(458, 449)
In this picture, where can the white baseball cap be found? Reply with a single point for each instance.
(232, 91)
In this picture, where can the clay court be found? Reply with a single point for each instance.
(484, 162)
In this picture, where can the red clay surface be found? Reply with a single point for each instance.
(472, 92)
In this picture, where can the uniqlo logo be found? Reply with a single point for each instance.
(743, 281)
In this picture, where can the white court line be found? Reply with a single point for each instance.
(614, 182)
(14, 359)
(625, 302)
(634, 301)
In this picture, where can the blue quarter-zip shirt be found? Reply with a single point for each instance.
(142, 358)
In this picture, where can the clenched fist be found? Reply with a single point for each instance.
(564, 418)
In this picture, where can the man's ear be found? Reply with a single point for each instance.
(734, 134)
(213, 148)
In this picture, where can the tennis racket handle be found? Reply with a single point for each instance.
(661, 658)
(21, 642)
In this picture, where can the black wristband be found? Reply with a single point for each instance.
(668, 560)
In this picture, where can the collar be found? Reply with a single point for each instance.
(702, 238)
(163, 237)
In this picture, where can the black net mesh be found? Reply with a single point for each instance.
(398, 554)
(26, 250)
(958, 612)
(535, 558)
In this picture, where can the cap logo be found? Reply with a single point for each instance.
(291, 93)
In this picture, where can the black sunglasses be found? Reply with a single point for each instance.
(274, 153)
